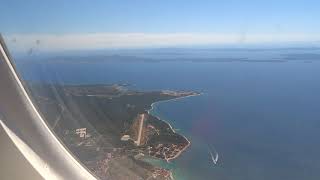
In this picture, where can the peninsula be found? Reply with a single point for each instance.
(109, 127)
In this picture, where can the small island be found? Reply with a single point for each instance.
(110, 128)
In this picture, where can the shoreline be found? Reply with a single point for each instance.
(172, 129)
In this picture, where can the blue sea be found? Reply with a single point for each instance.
(262, 117)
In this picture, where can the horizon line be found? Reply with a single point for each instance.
(95, 41)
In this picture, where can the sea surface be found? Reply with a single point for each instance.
(263, 118)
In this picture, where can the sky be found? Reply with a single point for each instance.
(154, 23)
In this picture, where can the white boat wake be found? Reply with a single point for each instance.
(214, 155)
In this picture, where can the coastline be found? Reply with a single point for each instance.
(173, 176)
(174, 99)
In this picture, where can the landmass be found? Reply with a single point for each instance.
(109, 127)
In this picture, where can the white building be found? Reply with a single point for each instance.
(82, 132)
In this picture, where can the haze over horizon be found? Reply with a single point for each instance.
(112, 24)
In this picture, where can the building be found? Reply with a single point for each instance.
(82, 132)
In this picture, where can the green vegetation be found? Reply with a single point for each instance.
(107, 112)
